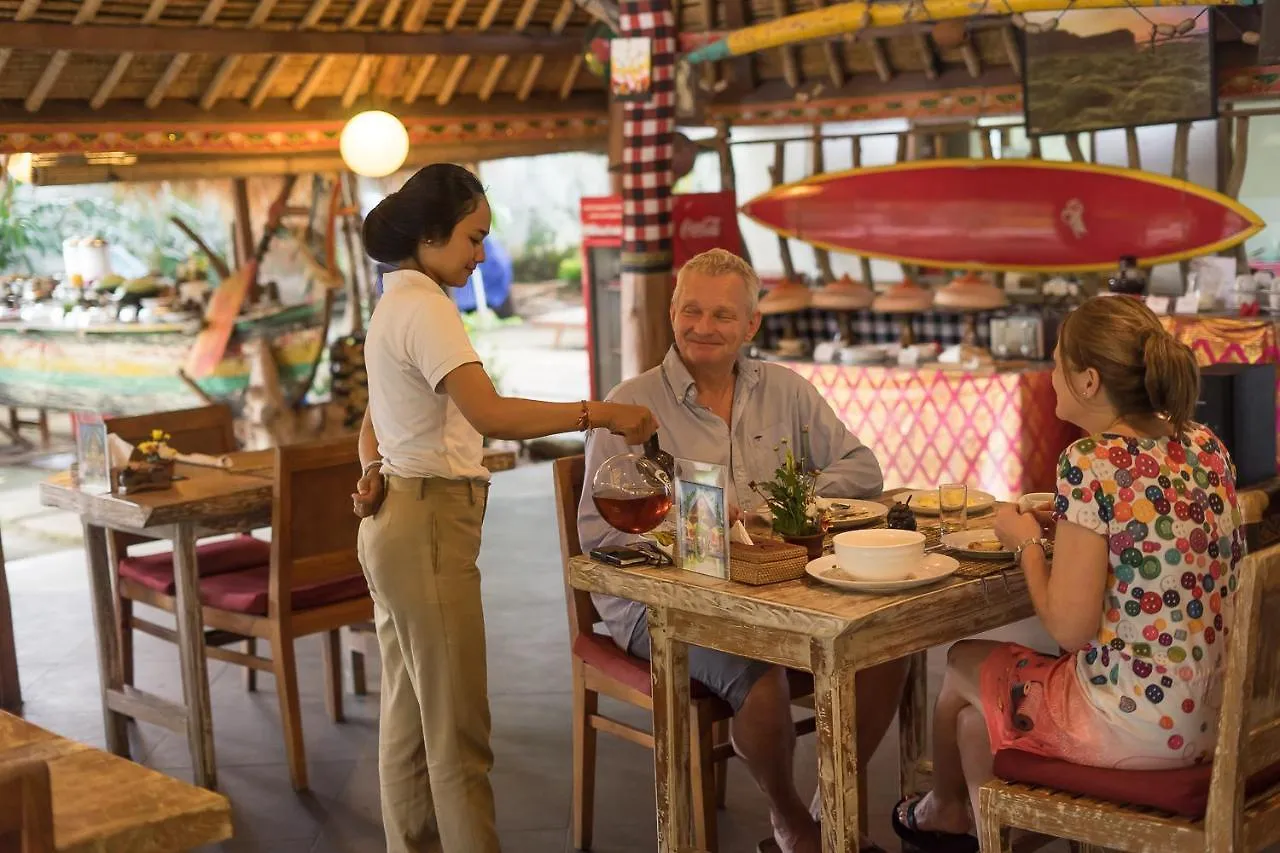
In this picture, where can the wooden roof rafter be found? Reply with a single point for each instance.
(320, 69)
(463, 62)
(25, 11)
(35, 99)
(536, 62)
(109, 83)
(429, 62)
(392, 71)
(364, 67)
(179, 62)
(263, 86)
(500, 62)
(229, 64)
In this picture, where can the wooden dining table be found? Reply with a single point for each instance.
(204, 501)
(105, 804)
(806, 625)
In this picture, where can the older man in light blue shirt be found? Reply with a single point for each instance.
(715, 405)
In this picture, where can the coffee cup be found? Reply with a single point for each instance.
(1042, 501)
(878, 554)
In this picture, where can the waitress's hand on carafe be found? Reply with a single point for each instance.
(633, 423)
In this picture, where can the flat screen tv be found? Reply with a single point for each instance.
(1099, 69)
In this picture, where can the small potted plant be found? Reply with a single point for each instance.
(154, 470)
(791, 497)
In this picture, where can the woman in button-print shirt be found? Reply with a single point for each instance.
(1147, 537)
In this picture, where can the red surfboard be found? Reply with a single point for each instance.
(1018, 215)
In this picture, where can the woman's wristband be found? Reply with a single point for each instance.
(370, 466)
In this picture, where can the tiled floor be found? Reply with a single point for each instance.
(529, 668)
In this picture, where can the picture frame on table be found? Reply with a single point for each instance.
(702, 517)
(93, 458)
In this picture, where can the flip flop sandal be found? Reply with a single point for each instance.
(771, 846)
(928, 841)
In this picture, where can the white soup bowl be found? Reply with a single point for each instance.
(879, 553)
(1030, 501)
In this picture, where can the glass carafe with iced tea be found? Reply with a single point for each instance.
(633, 491)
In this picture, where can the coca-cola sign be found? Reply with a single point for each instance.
(704, 221)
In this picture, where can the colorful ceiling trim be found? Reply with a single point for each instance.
(175, 138)
(1234, 84)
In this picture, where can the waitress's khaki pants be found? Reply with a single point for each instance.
(419, 555)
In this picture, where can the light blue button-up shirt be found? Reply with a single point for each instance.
(770, 403)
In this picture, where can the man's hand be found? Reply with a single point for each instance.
(369, 494)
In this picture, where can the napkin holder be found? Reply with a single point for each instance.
(767, 561)
(142, 476)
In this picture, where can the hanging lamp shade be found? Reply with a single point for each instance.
(374, 143)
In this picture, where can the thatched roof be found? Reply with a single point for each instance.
(193, 81)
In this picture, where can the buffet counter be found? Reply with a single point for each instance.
(992, 428)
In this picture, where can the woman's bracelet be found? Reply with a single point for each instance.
(584, 419)
(369, 467)
(1045, 545)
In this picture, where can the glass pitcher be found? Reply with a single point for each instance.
(633, 492)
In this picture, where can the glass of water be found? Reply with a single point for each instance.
(953, 507)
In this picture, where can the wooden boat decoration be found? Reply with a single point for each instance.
(132, 369)
(1015, 215)
(841, 18)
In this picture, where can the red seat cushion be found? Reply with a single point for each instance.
(247, 591)
(155, 571)
(603, 654)
(1184, 791)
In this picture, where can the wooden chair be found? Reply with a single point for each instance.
(1231, 806)
(208, 429)
(601, 668)
(312, 584)
(26, 810)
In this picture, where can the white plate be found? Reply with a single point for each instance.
(962, 539)
(926, 502)
(858, 513)
(933, 568)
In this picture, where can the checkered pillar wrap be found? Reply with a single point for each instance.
(648, 141)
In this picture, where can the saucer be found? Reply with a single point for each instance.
(933, 568)
(962, 539)
(925, 501)
(845, 513)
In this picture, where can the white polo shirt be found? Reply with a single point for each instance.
(415, 339)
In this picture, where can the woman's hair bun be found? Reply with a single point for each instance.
(427, 208)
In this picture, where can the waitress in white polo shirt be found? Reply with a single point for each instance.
(430, 401)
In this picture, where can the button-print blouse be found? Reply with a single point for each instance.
(1168, 509)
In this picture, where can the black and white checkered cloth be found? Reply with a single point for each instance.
(817, 325)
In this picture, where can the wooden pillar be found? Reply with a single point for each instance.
(647, 227)
(243, 223)
(823, 256)
(728, 177)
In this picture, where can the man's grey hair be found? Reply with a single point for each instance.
(716, 262)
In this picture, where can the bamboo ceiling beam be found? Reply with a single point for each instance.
(833, 52)
(571, 76)
(116, 74)
(927, 59)
(360, 78)
(790, 65)
(25, 11)
(535, 63)
(40, 91)
(501, 61)
(880, 59)
(1009, 36)
(228, 66)
(392, 70)
(320, 69)
(430, 61)
(263, 86)
(179, 62)
(463, 62)
(972, 61)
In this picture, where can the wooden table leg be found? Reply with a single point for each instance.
(10, 688)
(110, 664)
(195, 674)
(835, 709)
(669, 668)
